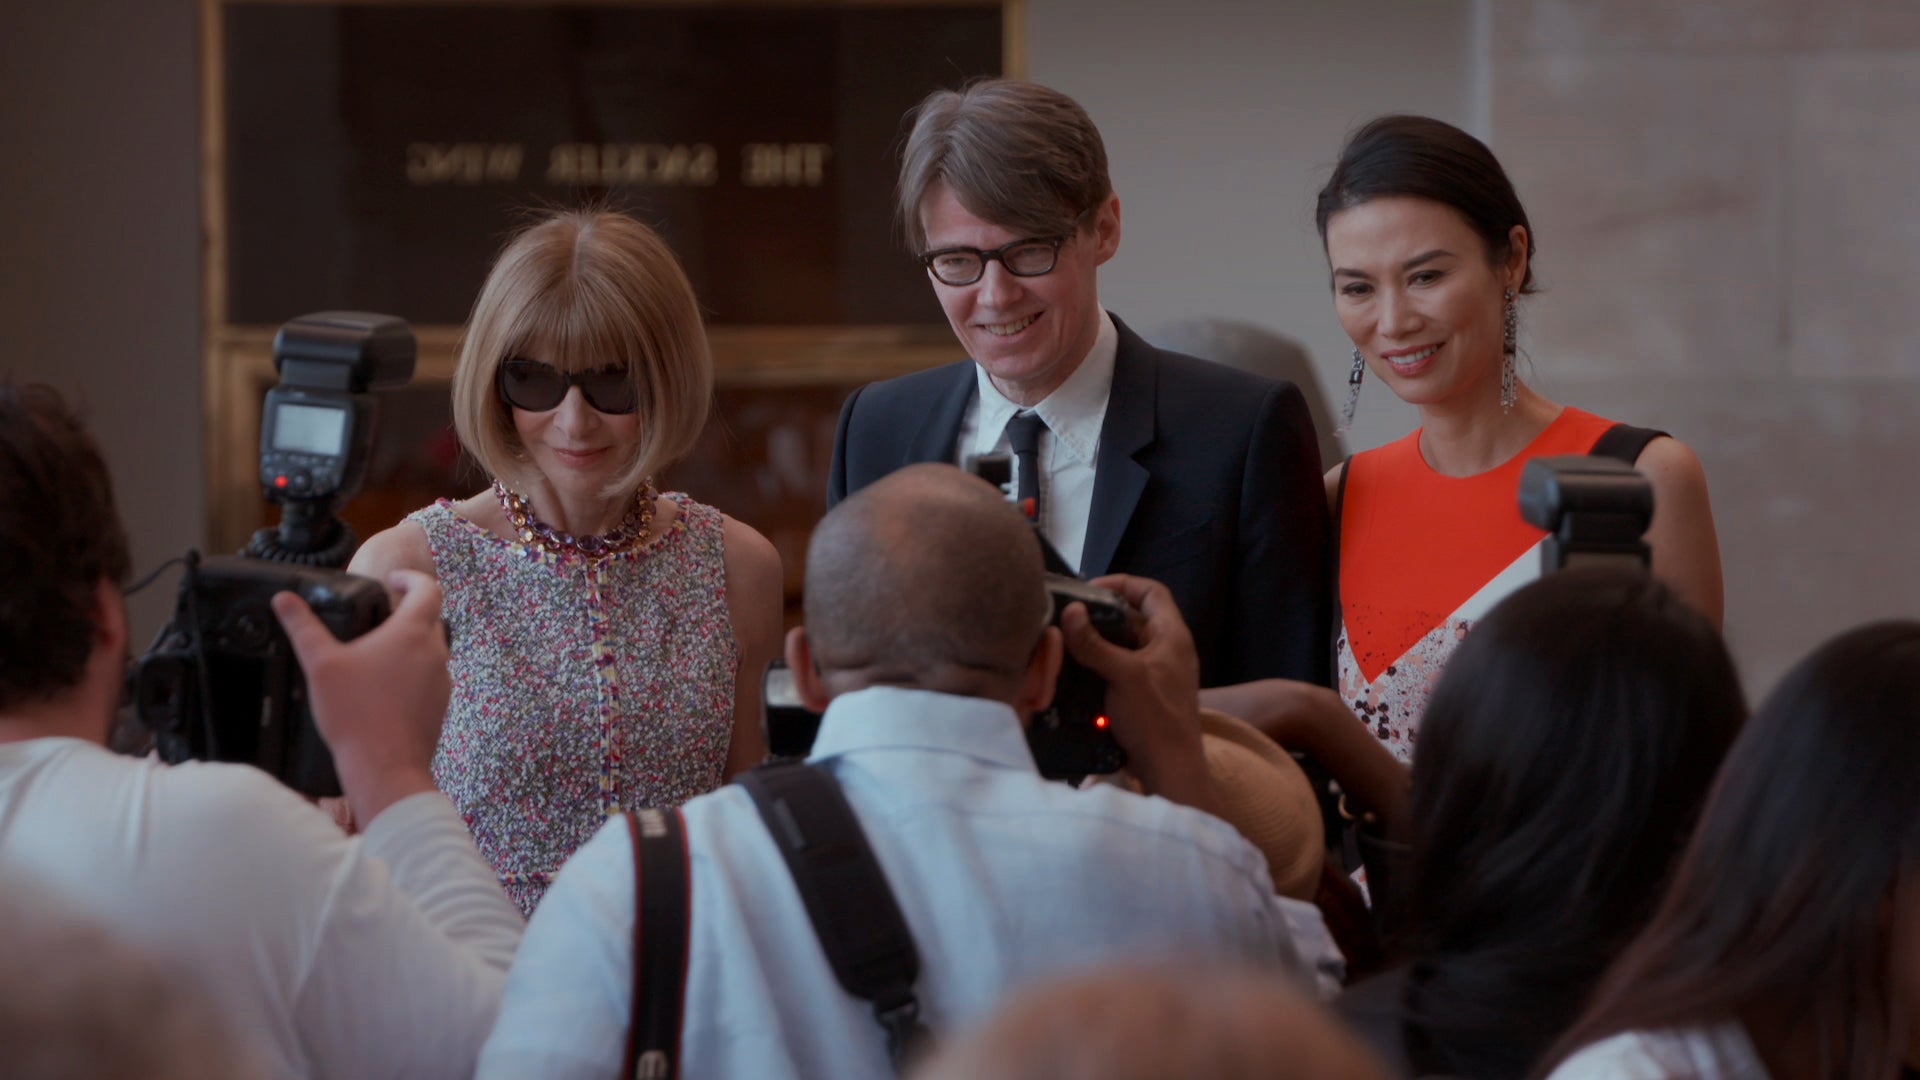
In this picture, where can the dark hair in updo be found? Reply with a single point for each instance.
(1425, 158)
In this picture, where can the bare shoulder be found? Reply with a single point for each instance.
(752, 562)
(1685, 543)
(402, 547)
(1674, 470)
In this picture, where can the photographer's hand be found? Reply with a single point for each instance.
(1153, 692)
(378, 700)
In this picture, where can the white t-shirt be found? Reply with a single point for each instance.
(1723, 1052)
(353, 957)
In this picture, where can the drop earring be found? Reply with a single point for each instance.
(1353, 392)
(1509, 382)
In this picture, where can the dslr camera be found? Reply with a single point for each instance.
(1070, 740)
(221, 682)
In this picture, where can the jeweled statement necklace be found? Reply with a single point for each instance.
(622, 537)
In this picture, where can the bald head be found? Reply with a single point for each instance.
(926, 578)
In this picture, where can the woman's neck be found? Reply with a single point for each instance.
(1466, 438)
(579, 515)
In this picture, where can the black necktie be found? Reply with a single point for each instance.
(1023, 434)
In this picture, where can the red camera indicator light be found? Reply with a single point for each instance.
(279, 481)
(1099, 721)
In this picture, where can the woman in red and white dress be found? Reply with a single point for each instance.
(1430, 253)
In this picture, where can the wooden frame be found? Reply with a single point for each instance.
(238, 362)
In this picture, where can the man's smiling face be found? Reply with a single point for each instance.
(1029, 333)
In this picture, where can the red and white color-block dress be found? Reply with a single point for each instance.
(1422, 558)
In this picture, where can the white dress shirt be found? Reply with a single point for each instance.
(381, 955)
(1074, 413)
(1722, 1052)
(1003, 878)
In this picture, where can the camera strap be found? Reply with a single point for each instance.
(661, 910)
(852, 908)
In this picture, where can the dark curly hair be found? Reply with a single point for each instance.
(59, 538)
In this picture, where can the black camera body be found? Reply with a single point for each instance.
(1595, 510)
(1071, 738)
(221, 682)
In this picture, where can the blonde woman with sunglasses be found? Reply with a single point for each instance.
(608, 639)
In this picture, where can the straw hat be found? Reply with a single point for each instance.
(1264, 794)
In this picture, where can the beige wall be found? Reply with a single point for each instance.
(1721, 191)
(1724, 196)
(100, 226)
(1222, 119)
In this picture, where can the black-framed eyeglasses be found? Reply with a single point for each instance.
(1031, 257)
(537, 387)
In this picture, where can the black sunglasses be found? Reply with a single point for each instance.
(537, 387)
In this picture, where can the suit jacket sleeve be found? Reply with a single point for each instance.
(1282, 619)
(837, 473)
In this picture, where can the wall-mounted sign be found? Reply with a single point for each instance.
(374, 156)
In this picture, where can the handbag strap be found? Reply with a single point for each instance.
(661, 910)
(853, 910)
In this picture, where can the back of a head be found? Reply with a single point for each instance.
(76, 1001)
(1252, 347)
(59, 539)
(927, 577)
(1020, 155)
(1563, 760)
(1782, 909)
(1148, 1023)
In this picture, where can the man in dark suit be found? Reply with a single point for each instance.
(1132, 459)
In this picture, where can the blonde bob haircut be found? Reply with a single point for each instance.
(586, 289)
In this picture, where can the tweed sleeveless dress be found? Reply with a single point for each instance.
(581, 687)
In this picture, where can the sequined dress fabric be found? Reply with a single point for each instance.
(581, 687)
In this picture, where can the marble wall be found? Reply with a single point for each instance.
(1723, 195)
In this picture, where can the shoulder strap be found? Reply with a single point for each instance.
(853, 911)
(661, 910)
(1623, 442)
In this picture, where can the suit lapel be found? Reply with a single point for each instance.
(939, 435)
(1118, 480)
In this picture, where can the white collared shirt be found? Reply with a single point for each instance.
(1003, 878)
(1074, 413)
